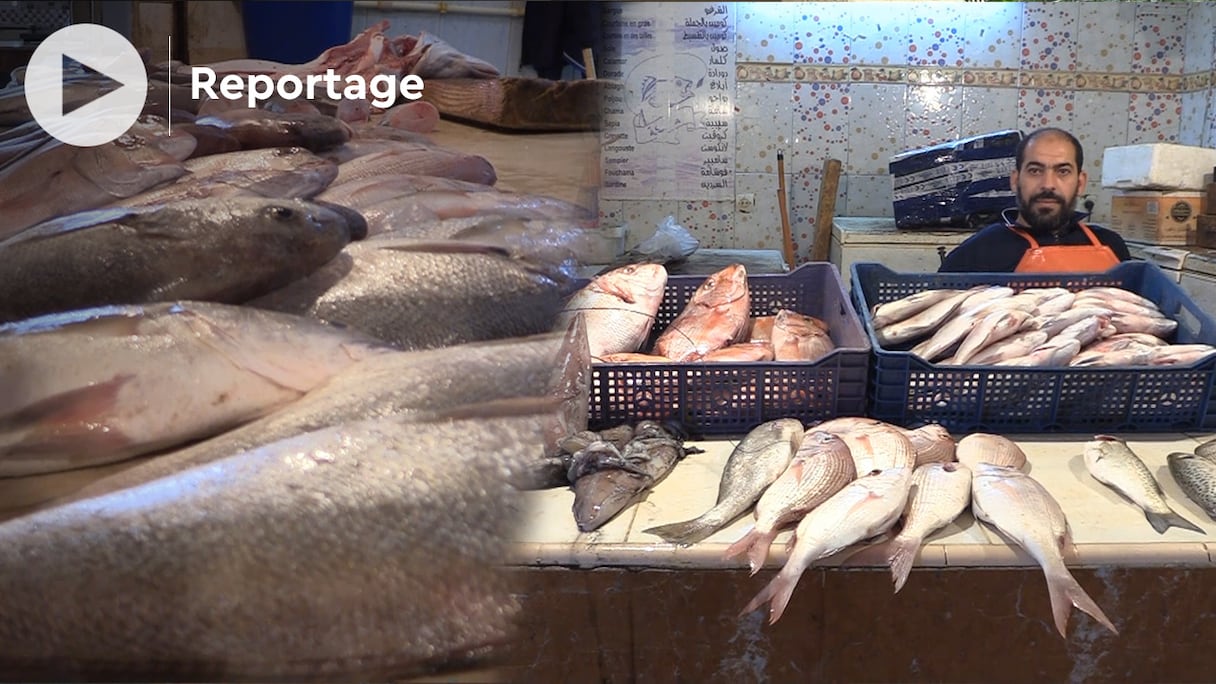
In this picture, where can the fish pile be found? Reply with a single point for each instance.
(851, 479)
(1036, 327)
(237, 357)
(715, 325)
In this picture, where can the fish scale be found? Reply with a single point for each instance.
(1196, 475)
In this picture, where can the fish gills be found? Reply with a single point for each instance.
(1022, 510)
(1113, 463)
(820, 468)
(753, 465)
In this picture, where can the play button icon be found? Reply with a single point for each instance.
(98, 48)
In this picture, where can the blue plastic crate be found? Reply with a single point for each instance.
(732, 398)
(909, 391)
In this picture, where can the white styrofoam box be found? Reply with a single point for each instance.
(1157, 166)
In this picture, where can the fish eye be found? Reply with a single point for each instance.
(283, 213)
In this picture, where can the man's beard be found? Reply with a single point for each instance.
(1045, 218)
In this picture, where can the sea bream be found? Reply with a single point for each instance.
(1113, 463)
(820, 468)
(717, 315)
(940, 492)
(371, 550)
(1022, 510)
(619, 307)
(606, 481)
(227, 251)
(755, 462)
(861, 509)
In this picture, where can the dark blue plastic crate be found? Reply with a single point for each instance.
(909, 391)
(732, 398)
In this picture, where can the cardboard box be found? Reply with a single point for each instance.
(1205, 231)
(1159, 218)
(1159, 166)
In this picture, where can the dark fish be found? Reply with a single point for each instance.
(211, 140)
(409, 386)
(258, 128)
(419, 296)
(609, 480)
(371, 550)
(554, 470)
(1196, 475)
(224, 251)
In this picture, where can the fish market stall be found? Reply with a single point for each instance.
(619, 600)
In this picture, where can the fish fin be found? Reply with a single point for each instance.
(1065, 593)
(754, 544)
(872, 554)
(1162, 522)
(684, 533)
(902, 555)
(62, 420)
(777, 594)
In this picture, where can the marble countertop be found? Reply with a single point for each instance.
(1106, 529)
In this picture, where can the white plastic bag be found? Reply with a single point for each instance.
(671, 242)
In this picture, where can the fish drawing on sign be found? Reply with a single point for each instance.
(662, 96)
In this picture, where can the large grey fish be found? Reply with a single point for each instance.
(606, 481)
(100, 385)
(280, 172)
(423, 296)
(408, 386)
(257, 128)
(58, 179)
(1196, 475)
(1022, 510)
(227, 251)
(370, 550)
(754, 464)
(419, 159)
(1113, 463)
(364, 193)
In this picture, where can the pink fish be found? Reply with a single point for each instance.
(715, 316)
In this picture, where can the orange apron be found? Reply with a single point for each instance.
(1094, 257)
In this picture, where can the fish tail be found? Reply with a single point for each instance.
(902, 555)
(755, 546)
(1065, 593)
(683, 533)
(777, 594)
(1163, 521)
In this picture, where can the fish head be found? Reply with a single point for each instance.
(722, 288)
(635, 283)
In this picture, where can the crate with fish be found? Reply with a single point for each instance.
(722, 353)
(1124, 350)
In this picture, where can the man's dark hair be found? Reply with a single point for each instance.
(1076, 145)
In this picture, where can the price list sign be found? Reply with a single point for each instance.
(668, 127)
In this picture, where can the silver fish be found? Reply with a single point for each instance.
(335, 554)
(863, 508)
(100, 385)
(921, 323)
(1196, 475)
(619, 306)
(820, 468)
(905, 307)
(1022, 510)
(409, 386)
(940, 492)
(753, 465)
(420, 159)
(224, 251)
(425, 296)
(1113, 463)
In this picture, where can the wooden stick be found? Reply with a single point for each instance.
(787, 237)
(589, 63)
(829, 185)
